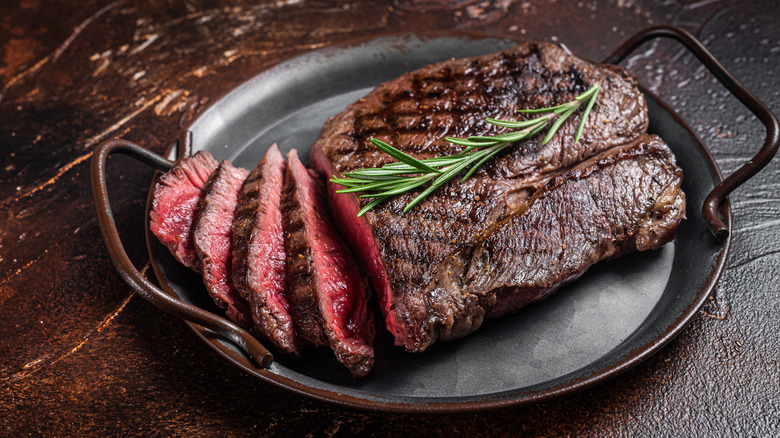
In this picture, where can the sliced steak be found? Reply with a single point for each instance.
(213, 238)
(176, 196)
(624, 200)
(259, 260)
(416, 111)
(328, 293)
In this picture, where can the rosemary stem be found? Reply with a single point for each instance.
(409, 173)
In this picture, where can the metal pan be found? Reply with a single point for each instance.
(615, 316)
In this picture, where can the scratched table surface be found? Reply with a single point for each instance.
(80, 354)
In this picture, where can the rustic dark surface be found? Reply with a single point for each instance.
(82, 355)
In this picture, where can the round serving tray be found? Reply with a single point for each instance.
(614, 316)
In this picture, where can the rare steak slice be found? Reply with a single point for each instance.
(625, 200)
(176, 196)
(453, 98)
(213, 240)
(328, 292)
(259, 260)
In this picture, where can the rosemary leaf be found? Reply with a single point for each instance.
(371, 186)
(479, 163)
(543, 110)
(565, 109)
(380, 173)
(470, 143)
(591, 90)
(401, 188)
(505, 138)
(554, 128)
(587, 112)
(358, 181)
(370, 205)
(515, 125)
(400, 156)
(433, 162)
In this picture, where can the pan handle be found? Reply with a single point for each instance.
(764, 114)
(130, 274)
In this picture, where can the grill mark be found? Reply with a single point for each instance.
(243, 222)
(300, 270)
(467, 116)
(226, 296)
(486, 82)
(478, 102)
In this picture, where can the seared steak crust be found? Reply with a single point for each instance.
(452, 98)
(300, 266)
(259, 261)
(213, 238)
(624, 200)
(329, 295)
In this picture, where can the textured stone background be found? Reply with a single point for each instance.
(82, 355)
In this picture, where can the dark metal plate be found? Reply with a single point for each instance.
(615, 316)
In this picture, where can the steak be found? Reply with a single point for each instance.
(452, 98)
(213, 238)
(259, 260)
(626, 199)
(329, 295)
(176, 196)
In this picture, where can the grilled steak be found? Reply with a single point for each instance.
(528, 221)
(626, 199)
(259, 261)
(212, 237)
(328, 293)
(416, 111)
(176, 196)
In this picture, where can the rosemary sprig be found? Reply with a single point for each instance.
(410, 173)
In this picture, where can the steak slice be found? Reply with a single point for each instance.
(213, 238)
(416, 111)
(624, 200)
(176, 196)
(328, 292)
(259, 260)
